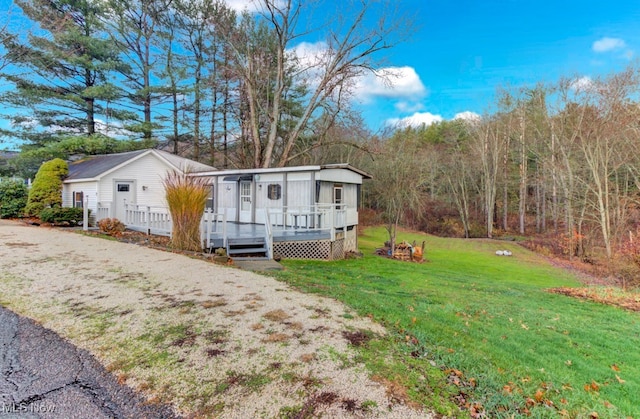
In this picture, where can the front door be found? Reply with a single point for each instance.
(123, 193)
(246, 205)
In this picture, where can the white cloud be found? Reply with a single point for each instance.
(408, 107)
(415, 120)
(391, 82)
(582, 84)
(249, 5)
(310, 54)
(468, 116)
(608, 44)
(241, 5)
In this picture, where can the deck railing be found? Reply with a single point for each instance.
(147, 219)
(214, 230)
(103, 211)
(213, 226)
(268, 235)
(328, 217)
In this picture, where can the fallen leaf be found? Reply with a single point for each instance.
(594, 415)
(524, 326)
(568, 362)
(615, 368)
(607, 404)
(620, 380)
(539, 396)
(593, 386)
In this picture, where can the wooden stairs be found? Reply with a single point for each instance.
(247, 248)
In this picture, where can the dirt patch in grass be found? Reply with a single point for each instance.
(603, 295)
(357, 338)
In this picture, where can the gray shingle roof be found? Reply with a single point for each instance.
(94, 166)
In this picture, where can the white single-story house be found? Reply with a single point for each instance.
(308, 212)
(108, 182)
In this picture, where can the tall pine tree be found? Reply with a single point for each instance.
(60, 70)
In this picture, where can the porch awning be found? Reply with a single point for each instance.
(236, 178)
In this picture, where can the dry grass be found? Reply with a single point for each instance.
(306, 358)
(276, 337)
(214, 303)
(276, 315)
(187, 198)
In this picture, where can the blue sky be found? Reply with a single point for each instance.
(465, 49)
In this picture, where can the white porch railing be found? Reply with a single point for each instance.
(103, 211)
(147, 219)
(327, 217)
(268, 235)
(213, 226)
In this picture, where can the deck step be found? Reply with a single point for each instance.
(244, 241)
(248, 250)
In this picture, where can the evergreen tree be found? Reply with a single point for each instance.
(46, 191)
(60, 71)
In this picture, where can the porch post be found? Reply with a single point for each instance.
(148, 220)
(85, 214)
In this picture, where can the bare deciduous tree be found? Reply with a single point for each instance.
(351, 47)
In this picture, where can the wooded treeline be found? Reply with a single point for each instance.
(232, 89)
(561, 160)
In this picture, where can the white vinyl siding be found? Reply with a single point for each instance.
(89, 190)
(148, 173)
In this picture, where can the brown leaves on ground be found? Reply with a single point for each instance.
(397, 392)
(610, 296)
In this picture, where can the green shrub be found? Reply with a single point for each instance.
(64, 216)
(111, 226)
(13, 198)
(46, 190)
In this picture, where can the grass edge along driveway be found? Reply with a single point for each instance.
(481, 331)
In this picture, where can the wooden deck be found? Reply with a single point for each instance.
(235, 231)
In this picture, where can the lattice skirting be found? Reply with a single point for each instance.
(351, 240)
(317, 249)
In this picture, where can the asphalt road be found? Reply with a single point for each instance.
(43, 375)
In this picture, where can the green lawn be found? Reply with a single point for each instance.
(482, 329)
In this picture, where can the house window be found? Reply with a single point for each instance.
(78, 199)
(123, 187)
(274, 191)
(338, 195)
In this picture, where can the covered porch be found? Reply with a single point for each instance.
(312, 232)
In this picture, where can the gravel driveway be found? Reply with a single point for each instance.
(206, 339)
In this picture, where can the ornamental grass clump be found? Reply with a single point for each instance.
(186, 197)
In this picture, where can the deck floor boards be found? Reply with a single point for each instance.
(247, 230)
